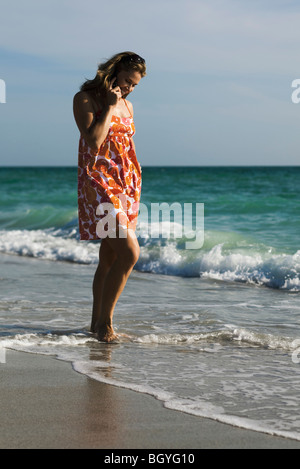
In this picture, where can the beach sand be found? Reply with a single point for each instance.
(46, 404)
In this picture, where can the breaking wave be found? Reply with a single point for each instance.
(232, 260)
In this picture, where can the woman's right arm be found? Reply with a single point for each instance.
(93, 131)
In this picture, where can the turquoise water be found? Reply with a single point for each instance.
(213, 331)
(251, 221)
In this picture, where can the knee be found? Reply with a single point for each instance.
(130, 256)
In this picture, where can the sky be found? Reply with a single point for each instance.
(218, 89)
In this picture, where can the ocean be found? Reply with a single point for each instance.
(213, 331)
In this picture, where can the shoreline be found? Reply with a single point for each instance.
(45, 404)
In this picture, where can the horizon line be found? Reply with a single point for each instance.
(166, 166)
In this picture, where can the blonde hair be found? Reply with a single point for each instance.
(109, 69)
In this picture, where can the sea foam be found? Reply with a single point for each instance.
(239, 262)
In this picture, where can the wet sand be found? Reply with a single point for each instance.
(46, 404)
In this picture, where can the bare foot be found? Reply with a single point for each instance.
(106, 334)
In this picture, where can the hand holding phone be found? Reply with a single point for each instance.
(114, 94)
(114, 82)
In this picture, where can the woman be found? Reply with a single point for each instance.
(109, 180)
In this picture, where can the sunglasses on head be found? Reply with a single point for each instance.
(136, 59)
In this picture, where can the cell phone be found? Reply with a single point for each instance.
(115, 82)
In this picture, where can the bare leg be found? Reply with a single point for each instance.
(126, 252)
(106, 259)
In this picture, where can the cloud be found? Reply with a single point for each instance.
(74, 31)
(218, 71)
(214, 36)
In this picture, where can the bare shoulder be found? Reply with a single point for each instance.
(82, 98)
(84, 107)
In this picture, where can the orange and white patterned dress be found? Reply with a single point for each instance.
(111, 175)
